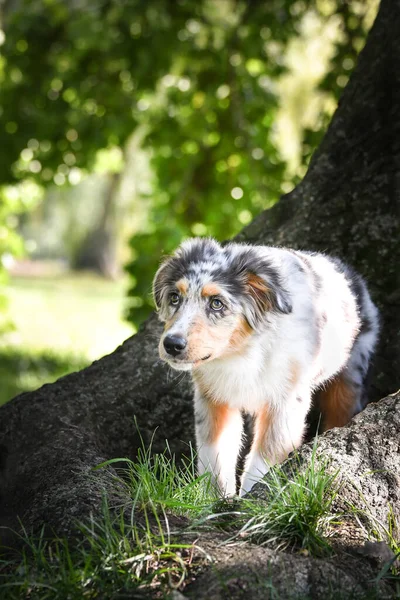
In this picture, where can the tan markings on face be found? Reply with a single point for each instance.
(240, 335)
(210, 289)
(258, 289)
(337, 402)
(182, 286)
(205, 338)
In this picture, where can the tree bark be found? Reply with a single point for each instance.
(348, 205)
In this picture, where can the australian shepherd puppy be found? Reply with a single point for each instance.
(261, 329)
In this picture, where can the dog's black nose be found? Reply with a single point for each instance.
(174, 344)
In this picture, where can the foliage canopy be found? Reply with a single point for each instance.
(199, 77)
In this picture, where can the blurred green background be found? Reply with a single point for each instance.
(126, 125)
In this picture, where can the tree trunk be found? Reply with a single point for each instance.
(347, 205)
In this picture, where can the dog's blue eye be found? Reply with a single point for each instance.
(174, 299)
(216, 304)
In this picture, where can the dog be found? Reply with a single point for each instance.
(262, 329)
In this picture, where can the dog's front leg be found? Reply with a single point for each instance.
(277, 432)
(218, 435)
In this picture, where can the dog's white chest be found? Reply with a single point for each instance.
(247, 382)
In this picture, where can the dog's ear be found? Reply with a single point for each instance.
(264, 290)
(160, 285)
(267, 293)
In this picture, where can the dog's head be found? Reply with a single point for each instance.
(213, 299)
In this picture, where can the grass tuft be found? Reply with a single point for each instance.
(114, 557)
(297, 510)
(158, 482)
